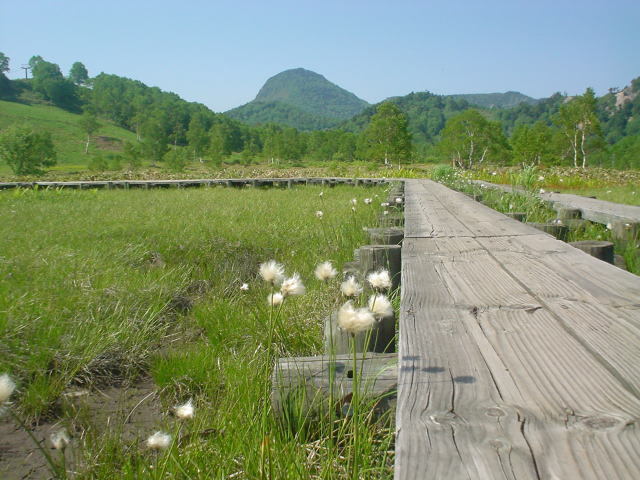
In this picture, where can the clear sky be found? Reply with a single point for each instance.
(221, 52)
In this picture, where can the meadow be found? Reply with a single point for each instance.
(116, 306)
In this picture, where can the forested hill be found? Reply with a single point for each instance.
(302, 99)
(496, 100)
(426, 112)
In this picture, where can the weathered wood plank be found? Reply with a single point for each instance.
(550, 334)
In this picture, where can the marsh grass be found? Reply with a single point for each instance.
(103, 288)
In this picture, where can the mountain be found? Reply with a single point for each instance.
(300, 98)
(496, 100)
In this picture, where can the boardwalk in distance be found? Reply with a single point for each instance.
(519, 355)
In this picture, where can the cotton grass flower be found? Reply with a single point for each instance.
(354, 201)
(272, 272)
(185, 411)
(60, 439)
(379, 280)
(275, 299)
(368, 201)
(355, 320)
(350, 287)
(380, 306)
(244, 287)
(159, 441)
(292, 286)
(325, 271)
(319, 214)
(7, 386)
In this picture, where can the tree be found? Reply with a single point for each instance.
(89, 124)
(531, 144)
(4, 63)
(579, 125)
(154, 138)
(197, 136)
(25, 151)
(79, 74)
(469, 139)
(387, 136)
(48, 80)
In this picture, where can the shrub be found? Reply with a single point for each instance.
(25, 150)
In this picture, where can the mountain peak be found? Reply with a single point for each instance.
(312, 93)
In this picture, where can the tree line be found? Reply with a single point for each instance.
(417, 127)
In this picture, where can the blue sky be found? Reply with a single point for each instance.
(221, 52)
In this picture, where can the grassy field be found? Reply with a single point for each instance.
(68, 137)
(102, 290)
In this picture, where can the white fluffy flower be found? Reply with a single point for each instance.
(379, 280)
(386, 212)
(7, 386)
(275, 299)
(384, 204)
(319, 214)
(380, 305)
(325, 271)
(159, 441)
(244, 287)
(354, 201)
(398, 199)
(272, 272)
(60, 439)
(540, 178)
(354, 320)
(350, 287)
(185, 411)
(292, 286)
(321, 194)
(368, 201)
(542, 190)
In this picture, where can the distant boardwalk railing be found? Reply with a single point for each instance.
(518, 354)
(230, 182)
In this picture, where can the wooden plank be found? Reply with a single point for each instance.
(598, 211)
(552, 349)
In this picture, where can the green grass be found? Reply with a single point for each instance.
(68, 137)
(106, 287)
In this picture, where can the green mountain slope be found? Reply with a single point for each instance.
(302, 91)
(68, 137)
(496, 100)
(426, 112)
(255, 113)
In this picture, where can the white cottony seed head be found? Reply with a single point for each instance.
(350, 287)
(368, 201)
(292, 286)
(275, 299)
(354, 201)
(354, 320)
(272, 272)
(325, 271)
(379, 280)
(380, 306)
(319, 214)
(244, 287)
(7, 386)
(185, 411)
(159, 441)
(60, 439)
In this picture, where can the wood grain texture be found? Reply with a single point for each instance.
(518, 354)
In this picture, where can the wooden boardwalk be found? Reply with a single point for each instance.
(206, 182)
(519, 356)
(598, 211)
